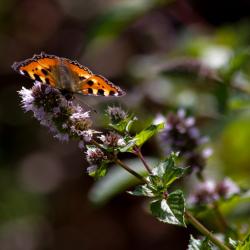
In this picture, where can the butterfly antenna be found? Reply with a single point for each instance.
(85, 104)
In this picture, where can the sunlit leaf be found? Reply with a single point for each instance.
(170, 210)
(98, 172)
(195, 244)
(147, 133)
(167, 170)
(245, 245)
(124, 125)
(142, 190)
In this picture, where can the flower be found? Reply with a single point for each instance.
(80, 123)
(116, 114)
(112, 139)
(181, 135)
(204, 193)
(95, 155)
(210, 191)
(227, 188)
(27, 99)
(64, 118)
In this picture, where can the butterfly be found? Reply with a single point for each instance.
(66, 75)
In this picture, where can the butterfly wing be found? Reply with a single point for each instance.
(99, 86)
(44, 68)
(78, 70)
(38, 68)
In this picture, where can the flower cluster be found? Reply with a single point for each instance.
(181, 135)
(116, 114)
(63, 117)
(112, 139)
(67, 120)
(95, 155)
(210, 191)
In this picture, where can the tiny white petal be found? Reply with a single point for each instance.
(159, 119)
(190, 121)
(207, 152)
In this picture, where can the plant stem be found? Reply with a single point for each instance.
(96, 143)
(139, 154)
(222, 221)
(205, 231)
(131, 171)
(202, 229)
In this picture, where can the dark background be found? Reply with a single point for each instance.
(44, 187)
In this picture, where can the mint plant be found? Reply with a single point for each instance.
(181, 140)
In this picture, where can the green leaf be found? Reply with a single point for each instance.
(142, 190)
(199, 244)
(128, 147)
(167, 170)
(234, 203)
(170, 210)
(124, 125)
(245, 245)
(235, 63)
(98, 172)
(233, 243)
(147, 133)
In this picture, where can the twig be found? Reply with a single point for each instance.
(131, 171)
(204, 231)
(139, 154)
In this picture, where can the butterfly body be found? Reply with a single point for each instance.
(65, 78)
(66, 75)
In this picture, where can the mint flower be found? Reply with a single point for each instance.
(210, 191)
(181, 135)
(95, 155)
(112, 139)
(116, 114)
(64, 118)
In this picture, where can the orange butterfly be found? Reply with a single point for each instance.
(66, 75)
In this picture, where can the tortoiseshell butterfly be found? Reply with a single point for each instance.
(66, 75)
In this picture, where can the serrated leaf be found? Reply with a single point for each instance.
(195, 244)
(142, 190)
(170, 210)
(245, 245)
(167, 170)
(147, 133)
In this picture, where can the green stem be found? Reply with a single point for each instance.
(221, 219)
(204, 231)
(188, 215)
(131, 171)
(140, 156)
